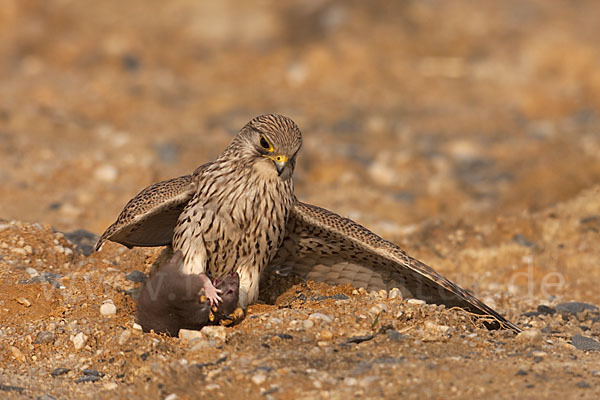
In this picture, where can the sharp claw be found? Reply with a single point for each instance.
(235, 317)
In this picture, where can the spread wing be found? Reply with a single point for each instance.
(322, 246)
(150, 217)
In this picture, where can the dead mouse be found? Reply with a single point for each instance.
(171, 300)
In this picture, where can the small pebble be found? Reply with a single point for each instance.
(92, 372)
(259, 378)
(124, 337)
(575, 307)
(326, 335)
(583, 385)
(539, 356)
(190, 334)
(87, 378)
(308, 323)
(201, 344)
(374, 310)
(19, 250)
(46, 396)
(521, 372)
(79, 340)
(108, 308)
(172, 396)
(417, 302)
(394, 293)
(325, 318)
(217, 333)
(16, 353)
(585, 343)
(136, 276)
(32, 272)
(23, 301)
(44, 337)
(349, 381)
(529, 335)
(59, 371)
(394, 335)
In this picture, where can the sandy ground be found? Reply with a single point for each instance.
(467, 134)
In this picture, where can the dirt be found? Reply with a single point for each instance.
(466, 134)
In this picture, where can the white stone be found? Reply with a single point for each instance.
(19, 250)
(108, 308)
(416, 302)
(325, 318)
(190, 334)
(79, 340)
(124, 337)
(308, 323)
(217, 333)
(259, 378)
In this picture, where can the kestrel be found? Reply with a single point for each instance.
(240, 213)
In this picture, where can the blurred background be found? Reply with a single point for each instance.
(412, 111)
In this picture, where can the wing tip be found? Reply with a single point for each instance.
(99, 244)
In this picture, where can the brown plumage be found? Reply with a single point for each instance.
(239, 212)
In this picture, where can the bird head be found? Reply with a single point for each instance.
(272, 141)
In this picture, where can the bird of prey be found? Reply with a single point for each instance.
(240, 213)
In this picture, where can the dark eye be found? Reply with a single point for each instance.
(265, 145)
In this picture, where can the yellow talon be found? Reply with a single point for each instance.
(235, 317)
(203, 298)
(211, 316)
(238, 314)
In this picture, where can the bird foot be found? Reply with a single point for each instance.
(234, 318)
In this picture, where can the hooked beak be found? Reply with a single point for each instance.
(280, 162)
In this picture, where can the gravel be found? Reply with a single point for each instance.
(575, 307)
(585, 343)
